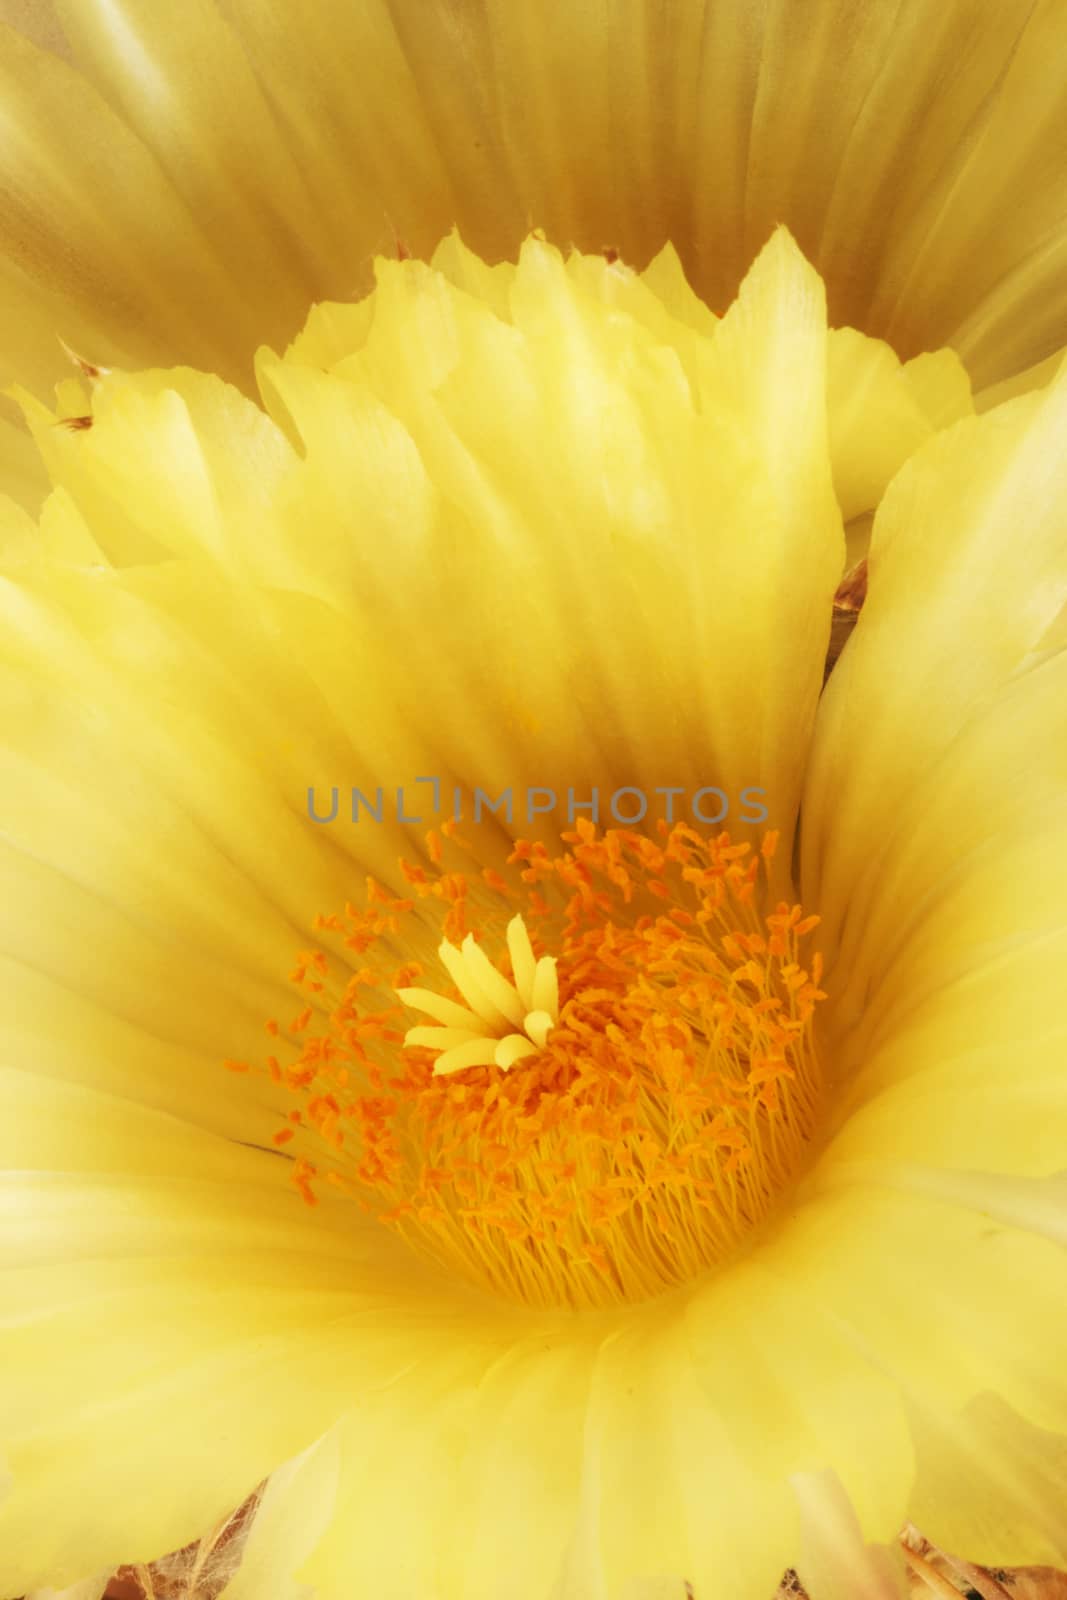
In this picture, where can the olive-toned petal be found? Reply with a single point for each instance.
(912, 152)
(1039, 376)
(73, 168)
(931, 158)
(221, 175)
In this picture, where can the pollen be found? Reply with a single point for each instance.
(605, 1084)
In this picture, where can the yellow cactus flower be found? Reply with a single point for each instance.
(749, 1245)
(493, 1044)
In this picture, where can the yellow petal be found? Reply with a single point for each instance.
(788, 1382)
(135, 1306)
(834, 1561)
(22, 475)
(881, 412)
(462, 1475)
(1012, 1513)
(939, 382)
(912, 170)
(293, 1513)
(20, 539)
(156, 883)
(947, 543)
(665, 276)
(948, 1011)
(73, 168)
(1039, 376)
(987, 1295)
(87, 1589)
(430, 501)
(175, 463)
(727, 1524)
(221, 175)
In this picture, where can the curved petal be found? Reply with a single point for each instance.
(161, 870)
(931, 1299)
(974, 526)
(22, 474)
(881, 412)
(932, 843)
(464, 1477)
(1038, 376)
(794, 1391)
(657, 1438)
(534, 1469)
(676, 499)
(986, 1298)
(20, 539)
(72, 167)
(194, 1325)
(946, 901)
(835, 1561)
(785, 1412)
(87, 1589)
(1012, 1513)
(293, 1513)
(912, 149)
(949, 988)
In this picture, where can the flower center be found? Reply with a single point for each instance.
(613, 1095)
(499, 1023)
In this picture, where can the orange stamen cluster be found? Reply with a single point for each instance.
(668, 1109)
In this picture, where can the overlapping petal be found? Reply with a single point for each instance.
(195, 1328)
(933, 834)
(177, 194)
(687, 473)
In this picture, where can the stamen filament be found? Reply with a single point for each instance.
(612, 1115)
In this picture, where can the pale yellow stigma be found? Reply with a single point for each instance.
(502, 1022)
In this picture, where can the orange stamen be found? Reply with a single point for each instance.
(655, 1127)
